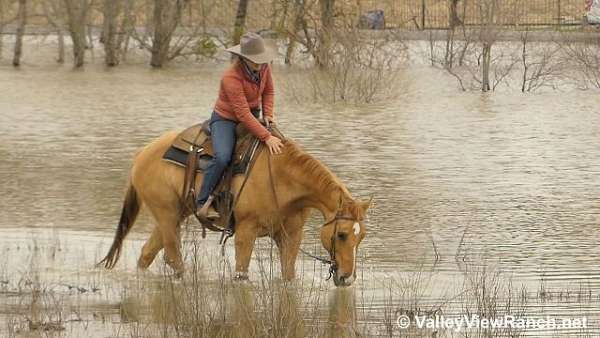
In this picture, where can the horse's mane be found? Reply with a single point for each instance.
(303, 162)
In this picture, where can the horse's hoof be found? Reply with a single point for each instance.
(178, 274)
(241, 277)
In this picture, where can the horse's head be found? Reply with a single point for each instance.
(341, 238)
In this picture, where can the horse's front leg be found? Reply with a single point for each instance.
(245, 236)
(288, 241)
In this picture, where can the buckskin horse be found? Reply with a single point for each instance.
(279, 193)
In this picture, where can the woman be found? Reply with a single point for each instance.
(245, 87)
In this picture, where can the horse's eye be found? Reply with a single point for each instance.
(342, 236)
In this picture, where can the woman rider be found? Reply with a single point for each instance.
(245, 87)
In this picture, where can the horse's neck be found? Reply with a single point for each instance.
(327, 202)
(318, 189)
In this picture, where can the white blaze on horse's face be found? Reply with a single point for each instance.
(345, 241)
(341, 237)
(356, 228)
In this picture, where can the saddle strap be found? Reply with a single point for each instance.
(189, 179)
(190, 175)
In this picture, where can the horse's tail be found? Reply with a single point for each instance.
(131, 208)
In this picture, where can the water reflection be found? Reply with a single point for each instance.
(342, 313)
(508, 176)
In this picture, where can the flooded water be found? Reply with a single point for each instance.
(506, 180)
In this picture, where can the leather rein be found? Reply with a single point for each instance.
(334, 221)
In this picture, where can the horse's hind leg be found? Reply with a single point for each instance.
(150, 249)
(168, 226)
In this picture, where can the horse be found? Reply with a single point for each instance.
(277, 199)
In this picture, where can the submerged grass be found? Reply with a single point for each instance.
(209, 304)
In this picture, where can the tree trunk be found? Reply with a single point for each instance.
(89, 42)
(167, 16)
(76, 14)
(485, 68)
(298, 17)
(61, 46)
(274, 14)
(122, 44)
(1, 39)
(1, 27)
(488, 42)
(51, 9)
(160, 47)
(240, 21)
(449, 56)
(149, 21)
(284, 16)
(109, 31)
(325, 32)
(22, 17)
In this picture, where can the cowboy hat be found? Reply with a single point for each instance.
(253, 47)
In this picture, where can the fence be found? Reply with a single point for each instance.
(407, 14)
(435, 14)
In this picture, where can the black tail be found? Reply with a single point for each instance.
(131, 208)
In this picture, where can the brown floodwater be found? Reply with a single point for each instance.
(505, 179)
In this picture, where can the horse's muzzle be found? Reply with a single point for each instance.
(342, 280)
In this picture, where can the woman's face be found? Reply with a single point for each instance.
(254, 66)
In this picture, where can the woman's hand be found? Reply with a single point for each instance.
(275, 145)
(269, 119)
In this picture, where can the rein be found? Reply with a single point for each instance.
(227, 233)
(334, 220)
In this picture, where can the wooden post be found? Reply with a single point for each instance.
(559, 17)
(423, 14)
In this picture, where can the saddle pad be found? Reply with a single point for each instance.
(191, 136)
(179, 157)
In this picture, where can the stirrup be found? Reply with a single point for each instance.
(202, 212)
(202, 216)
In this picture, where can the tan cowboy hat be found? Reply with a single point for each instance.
(253, 47)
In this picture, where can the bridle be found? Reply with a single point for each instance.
(331, 261)
(338, 217)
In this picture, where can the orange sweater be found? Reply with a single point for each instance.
(237, 95)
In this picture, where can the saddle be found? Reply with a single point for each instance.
(192, 149)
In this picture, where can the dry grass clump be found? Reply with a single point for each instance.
(208, 303)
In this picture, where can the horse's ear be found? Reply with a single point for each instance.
(364, 205)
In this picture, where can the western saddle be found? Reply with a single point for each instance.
(193, 150)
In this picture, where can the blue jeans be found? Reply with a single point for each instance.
(223, 142)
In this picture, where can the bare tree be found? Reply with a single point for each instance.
(2, 23)
(279, 14)
(193, 39)
(360, 69)
(149, 28)
(54, 13)
(240, 21)
(540, 65)
(22, 17)
(585, 59)
(487, 37)
(124, 34)
(325, 31)
(292, 33)
(454, 20)
(109, 31)
(167, 16)
(76, 16)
